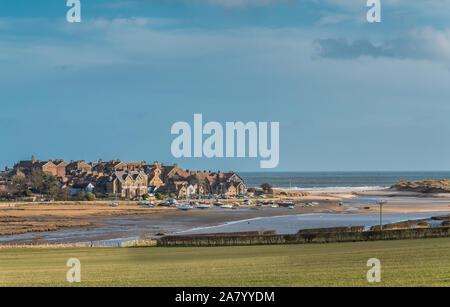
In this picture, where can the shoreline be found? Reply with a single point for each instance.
(100, 222)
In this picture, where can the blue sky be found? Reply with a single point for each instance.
(349, 95)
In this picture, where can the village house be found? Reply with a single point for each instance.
(131, 180)
(82, 187)
(78, 167)
(180, 190)
(128, 185)
(229, 184)
(27, 167)
(60, 168)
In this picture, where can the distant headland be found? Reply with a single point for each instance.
(424, 186)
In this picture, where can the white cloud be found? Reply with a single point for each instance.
(425, 43)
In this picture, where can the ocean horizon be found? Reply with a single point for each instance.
(337, 180)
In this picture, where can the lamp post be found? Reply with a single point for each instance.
(381, 203)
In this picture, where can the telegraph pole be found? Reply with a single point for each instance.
(381, 203)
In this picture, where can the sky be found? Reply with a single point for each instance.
(349, 95)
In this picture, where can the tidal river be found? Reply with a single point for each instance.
(290, 224)
(117, 230)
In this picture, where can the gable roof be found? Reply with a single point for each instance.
(122, 176)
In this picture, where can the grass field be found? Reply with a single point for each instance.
(404, 263)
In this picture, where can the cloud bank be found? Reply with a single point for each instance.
(426, 43)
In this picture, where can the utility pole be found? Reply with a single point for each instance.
(381, 203)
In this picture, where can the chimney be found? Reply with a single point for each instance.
(175, 165)
(100, 160)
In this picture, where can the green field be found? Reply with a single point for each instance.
(404, 263)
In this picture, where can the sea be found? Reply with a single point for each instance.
(336, 180)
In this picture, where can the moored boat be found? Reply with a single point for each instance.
(202, 206)
(286, 204)
(184, 207)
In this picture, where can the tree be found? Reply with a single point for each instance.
(90, 196)
(37, 180)
(81, 195)
(267, 188)
(20, 183)
(44, 183)
(160, 196)
(51, 185)
(145, 196)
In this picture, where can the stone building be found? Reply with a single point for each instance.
(78, 167)
(26, 167)
(128, 185)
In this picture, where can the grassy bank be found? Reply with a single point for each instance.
(306, 236)
(404, 263)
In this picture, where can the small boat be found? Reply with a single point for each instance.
(311, 204)
(165, 204)
(202, 206)
(286, 204)
(114, 205)
(236, 204)
(141, 204)
(218, 204)
(291, 207)
(227, 206)
(149, 205)
(274, 206)
(184, 207)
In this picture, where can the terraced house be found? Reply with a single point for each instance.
(128, 185)
(132, 180)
